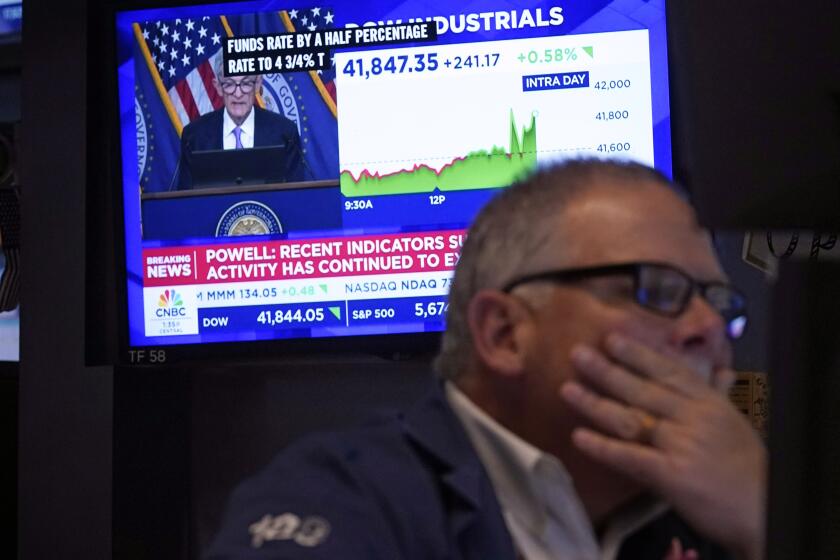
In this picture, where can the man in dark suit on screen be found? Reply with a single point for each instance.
(240, 124)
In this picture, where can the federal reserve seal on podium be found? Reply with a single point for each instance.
(248, 217)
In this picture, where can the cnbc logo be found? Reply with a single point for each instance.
(170, 305)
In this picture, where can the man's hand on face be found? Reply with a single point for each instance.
(666, 426)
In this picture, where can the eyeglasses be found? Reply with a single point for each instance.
(245, 86)
(661, 288)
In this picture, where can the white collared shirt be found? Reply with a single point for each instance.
(541, 507)
(247, 135)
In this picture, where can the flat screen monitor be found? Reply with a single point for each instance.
(223, 168)
(404, 117)
(11, 17)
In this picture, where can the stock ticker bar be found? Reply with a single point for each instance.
(346, 313)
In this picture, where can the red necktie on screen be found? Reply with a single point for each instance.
(237, 132)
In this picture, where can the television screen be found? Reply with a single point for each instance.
(292, 170)
(10, 336)
(9, 308)
(11, 16)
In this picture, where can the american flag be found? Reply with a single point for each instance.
(316, 19)
(184, 52)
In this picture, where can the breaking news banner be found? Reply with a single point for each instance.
(311, 50)
(279, 260)
(273, 286)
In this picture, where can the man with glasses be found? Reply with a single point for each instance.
(582, 412)
(241, 124)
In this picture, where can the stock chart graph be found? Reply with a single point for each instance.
(425, 119)
(497, 167)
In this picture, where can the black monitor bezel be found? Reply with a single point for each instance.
(107, 336)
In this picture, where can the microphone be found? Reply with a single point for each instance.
(175, 175)
(306, 165)
(185, 145)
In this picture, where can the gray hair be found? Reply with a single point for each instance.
(510, 229)
(219, 65)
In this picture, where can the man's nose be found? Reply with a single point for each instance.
(700, 326)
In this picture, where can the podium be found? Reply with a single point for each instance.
(275, 208)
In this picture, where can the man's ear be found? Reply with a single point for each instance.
(218, 87)
(499, 325)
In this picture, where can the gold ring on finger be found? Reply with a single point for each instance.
(647, 428)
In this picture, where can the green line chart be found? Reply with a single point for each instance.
(480, 169)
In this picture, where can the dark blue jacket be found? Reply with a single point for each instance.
(270, 129)
(407, 487)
